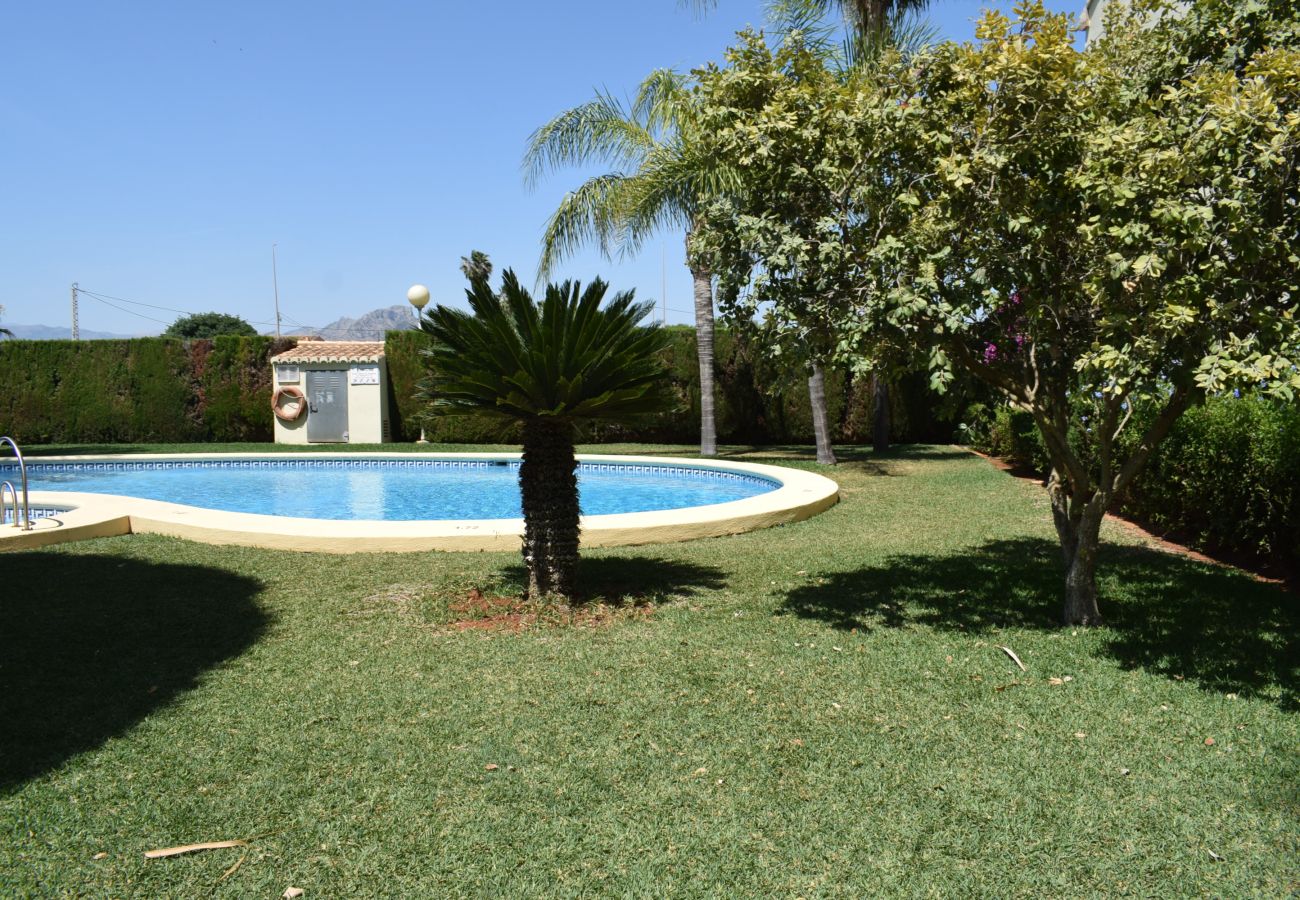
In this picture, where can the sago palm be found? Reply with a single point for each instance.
(655, 182)
(548, 366)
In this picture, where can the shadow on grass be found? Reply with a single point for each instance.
(618, 579)
(91, 645)
(861, 458)
(1165, 614)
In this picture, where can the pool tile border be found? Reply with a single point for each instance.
(801, 495)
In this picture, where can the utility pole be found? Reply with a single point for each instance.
(663, 284)
(76, 330)
(275, 284)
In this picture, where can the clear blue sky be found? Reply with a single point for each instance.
(155, 150)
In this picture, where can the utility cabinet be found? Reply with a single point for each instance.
(331, 392)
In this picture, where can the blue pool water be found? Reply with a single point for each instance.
(396, 490)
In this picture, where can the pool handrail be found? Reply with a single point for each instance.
(13, 492)
(26, 521)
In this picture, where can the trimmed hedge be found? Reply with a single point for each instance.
(161, 390)
(1227, 477)
(758, 401)
(152, 390)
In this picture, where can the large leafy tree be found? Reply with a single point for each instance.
(657, 180)
(208, 325)
(547, 366)
(787, 238)
(778, 238)
(1097, 235)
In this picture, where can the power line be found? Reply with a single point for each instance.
(122, 308)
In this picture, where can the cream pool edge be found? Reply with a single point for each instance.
(81, 515)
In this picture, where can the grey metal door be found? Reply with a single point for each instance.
(327, 407)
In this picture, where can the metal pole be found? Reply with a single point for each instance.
(275, 284)
(663, 283)
(76, 330)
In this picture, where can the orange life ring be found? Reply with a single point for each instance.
(296, 397)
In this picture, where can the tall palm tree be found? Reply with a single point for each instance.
(475, 266)
(865, 16)
(549, 367)
(656, 182)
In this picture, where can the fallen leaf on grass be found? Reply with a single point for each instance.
(293, 892)
(1081, 734)
(191, 848)
(1015, 659)
(1209, 742)
(491, 767)
(1214, 856)
(100, 856)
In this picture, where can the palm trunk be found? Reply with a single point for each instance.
(880, 414)
(1078, 525)
(704, 349)
(548, 483)
(821, 422)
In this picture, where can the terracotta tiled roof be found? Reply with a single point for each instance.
(332, 351)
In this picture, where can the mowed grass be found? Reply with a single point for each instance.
(820, 709)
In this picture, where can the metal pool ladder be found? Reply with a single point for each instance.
(24, 522)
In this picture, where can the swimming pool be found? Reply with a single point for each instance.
(349, 503)
(384, 488)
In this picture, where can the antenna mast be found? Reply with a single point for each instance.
(76, 330)
(663, 283)
(275, 285)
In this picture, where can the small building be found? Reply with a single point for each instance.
(331, 392)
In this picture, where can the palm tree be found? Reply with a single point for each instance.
(656, 182)
(475, 266)
(548, 367)
(865, 16)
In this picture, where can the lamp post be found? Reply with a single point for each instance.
(418, 296)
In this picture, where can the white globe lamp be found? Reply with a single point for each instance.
(418, 296)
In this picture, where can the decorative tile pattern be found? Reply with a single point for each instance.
(36, 512)
(10, 472)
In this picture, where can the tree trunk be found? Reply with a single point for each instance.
(821, 422)
(1078, 525)
(548, 483)
(880, 414)
(704, 349)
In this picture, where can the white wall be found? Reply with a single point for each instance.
(367, 404)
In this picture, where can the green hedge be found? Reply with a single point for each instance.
(147, 390)
(161, 390)
(1227, 477)
(758, 401)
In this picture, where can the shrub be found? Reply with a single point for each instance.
(1226, 478)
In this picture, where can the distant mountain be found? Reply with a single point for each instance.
(60, 333)
(370, 327)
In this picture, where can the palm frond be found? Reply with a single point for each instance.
(669, 190)
(660, 99)
(600, 130)
(591, 214)
(565, 359)
(905, 31)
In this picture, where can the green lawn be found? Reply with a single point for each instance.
(815, 710)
